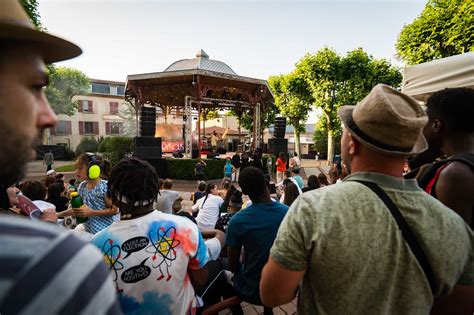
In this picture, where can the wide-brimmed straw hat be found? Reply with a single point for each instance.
(15, 25)
(387, 121)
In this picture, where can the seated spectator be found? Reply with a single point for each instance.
(34, 190)
(297, 178)
(151, 254)
(201, 188)
(254, 229)
(291, 193)
(313, 183)
(166, 197)
(48, 180)
(229, 191)
(56, 196)
(235, 204)
(207, 208)
(323, 180)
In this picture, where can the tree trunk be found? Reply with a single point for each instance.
(297, 141)
(330, 140)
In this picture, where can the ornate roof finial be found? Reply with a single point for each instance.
(202, 54)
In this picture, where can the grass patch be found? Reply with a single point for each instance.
(65, 168)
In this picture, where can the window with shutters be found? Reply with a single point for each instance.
(86, 106)
(63, 127)
(113, 128)
(114, 108)
(88, 128)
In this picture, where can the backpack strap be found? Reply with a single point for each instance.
(407, 232)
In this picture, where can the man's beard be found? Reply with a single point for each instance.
(15, 153)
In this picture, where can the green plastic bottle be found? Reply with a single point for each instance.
(76, 202)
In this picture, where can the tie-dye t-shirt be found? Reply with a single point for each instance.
(148, 258)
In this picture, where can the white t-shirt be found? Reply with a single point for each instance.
(165, 200)
(209, 212)
(148, 258)
(214, 248)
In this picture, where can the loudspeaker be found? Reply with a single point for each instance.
(194, 154)
(280, 127)
(147, 121)
(147, 147)
(276, 145)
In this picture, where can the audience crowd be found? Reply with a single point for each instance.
(386, 231)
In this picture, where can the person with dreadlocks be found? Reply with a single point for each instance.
(152, 256)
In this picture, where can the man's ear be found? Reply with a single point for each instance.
(354, 145)
(436, 125)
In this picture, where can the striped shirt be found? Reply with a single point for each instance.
(46, 270)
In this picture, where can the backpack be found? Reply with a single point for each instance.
(429, 177)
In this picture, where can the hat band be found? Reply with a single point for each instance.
(354, 128)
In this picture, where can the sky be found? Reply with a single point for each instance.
(255, 38)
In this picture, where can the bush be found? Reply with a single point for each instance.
(115, 149)
(69, 154)
(87, 144)
(184, 168)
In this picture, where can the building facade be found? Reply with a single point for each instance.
(98, 115)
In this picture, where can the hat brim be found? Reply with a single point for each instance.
(51, 48)
(345, 113)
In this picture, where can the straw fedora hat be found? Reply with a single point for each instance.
(387, 121)
(15, 25)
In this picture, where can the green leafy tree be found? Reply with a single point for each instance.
(87, 144)
(267, 116)
(293, 99)
(444, 28)
(336, 80)
(129, 116)
(65, 83)
(31, 8)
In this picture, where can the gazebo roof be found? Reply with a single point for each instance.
(202, 62)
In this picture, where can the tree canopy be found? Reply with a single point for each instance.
(336, 80)
(64, 84)
(31, 8)
(293, 100)
(444, 28)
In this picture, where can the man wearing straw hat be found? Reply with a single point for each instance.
(44, 270)
(375, 243)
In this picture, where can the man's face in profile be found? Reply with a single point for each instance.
(24, 110)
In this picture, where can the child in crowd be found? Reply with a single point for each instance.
(56, 196)
(229, 169)
(93, 191)
(199, 193)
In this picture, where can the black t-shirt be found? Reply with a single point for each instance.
(60, 202)
(236, 161)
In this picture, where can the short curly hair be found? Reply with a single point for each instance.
(454, 108)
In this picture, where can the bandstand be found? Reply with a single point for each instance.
(191, 87)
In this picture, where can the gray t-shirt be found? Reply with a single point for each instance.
(165, 200)
(355, 257)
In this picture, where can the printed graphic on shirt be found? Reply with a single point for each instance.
(149, 262)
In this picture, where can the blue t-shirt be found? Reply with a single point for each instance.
(228, 169)
(255, 229)
(299, 181)
(94, 199)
